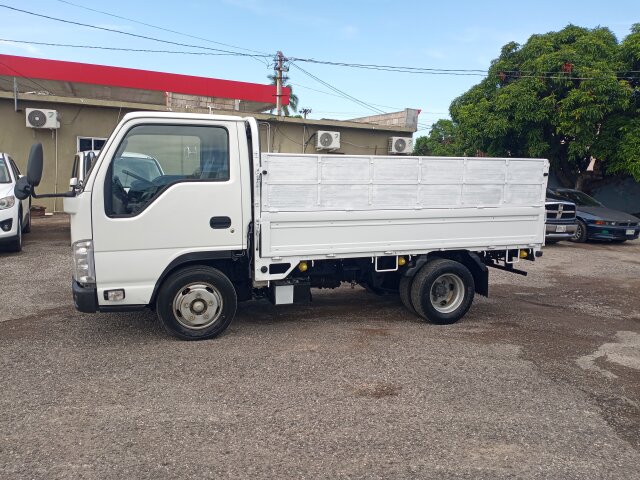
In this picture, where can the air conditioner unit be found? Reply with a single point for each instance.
(400, 145)
(39, 118)
(327, 140)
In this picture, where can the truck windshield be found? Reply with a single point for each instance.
(4, 172)
(579, 198)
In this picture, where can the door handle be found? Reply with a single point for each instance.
(220, 222)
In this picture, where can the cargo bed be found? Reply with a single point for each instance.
(323, 206)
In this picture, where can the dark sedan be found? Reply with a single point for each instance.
(597, 222)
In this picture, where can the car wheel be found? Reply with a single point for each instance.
(196, 303)
(442, 291)
(581, 233)
(16, 243)
(405, 293)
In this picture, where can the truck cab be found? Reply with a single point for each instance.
(180, 194)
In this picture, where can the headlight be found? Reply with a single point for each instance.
(84, 270)
(7, 202)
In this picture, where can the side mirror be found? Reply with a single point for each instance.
(22, 190)
(73, 183)
(25, 186)
(34, 166)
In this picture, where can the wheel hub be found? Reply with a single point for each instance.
(198, 305)
(447, 293)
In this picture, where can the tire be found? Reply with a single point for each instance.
(27, 226)
(196, 303)
(581, 233)
(442, 291)
(405, 293)
(16, 244)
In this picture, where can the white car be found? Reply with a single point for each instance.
(15, 215)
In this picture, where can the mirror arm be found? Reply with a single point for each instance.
(69, 194)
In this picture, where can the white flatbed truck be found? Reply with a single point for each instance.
(221, 222)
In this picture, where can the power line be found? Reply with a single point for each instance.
(118, 49)
(164, 29)
(515, 74)
(340, 96)
(145, 37)
(395, 68)
(161, 28)
(343, 94)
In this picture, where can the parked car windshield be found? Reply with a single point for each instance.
(4, 172)
(147, 168)
(579, 198)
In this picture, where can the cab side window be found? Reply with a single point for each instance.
(153, 157)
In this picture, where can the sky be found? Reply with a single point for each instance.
(441, 35)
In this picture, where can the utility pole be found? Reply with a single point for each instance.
(278, 69)
(305, 112)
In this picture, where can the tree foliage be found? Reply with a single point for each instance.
(293, 98)
(566, 96)
(441, 141)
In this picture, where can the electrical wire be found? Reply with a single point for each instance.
(118, 49)
(277, 130)
(343, 94)
(516, 74)
(135, 35)
(164, 29)
(392, 67)
(161, 28)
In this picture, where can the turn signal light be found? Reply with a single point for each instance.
(303, 267)
(524, 254)
(402, 261)
(600, 222)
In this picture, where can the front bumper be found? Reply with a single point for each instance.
(84, 298)
(606, 232)
(551, 231)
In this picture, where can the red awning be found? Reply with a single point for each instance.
(57, 70)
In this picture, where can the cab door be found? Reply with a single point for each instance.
(165, 188)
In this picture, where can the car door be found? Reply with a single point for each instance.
(144, 218)
(27, 201)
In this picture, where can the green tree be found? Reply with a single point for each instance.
(442, 140)
(562, 95)
(293, 98)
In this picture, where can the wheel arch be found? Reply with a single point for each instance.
(471, 260)
(225, 261)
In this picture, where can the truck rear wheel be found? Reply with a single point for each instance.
(196, 303)
(405, 293)
(442, 291)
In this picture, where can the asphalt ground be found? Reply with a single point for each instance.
(541, 380)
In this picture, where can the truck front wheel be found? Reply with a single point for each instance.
(442, 291)
(196, 303)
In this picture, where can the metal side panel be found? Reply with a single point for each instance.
(305, 183)
(341, 205)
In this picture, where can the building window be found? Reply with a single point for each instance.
(90, 143)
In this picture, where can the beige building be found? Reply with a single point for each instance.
(90, 100)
